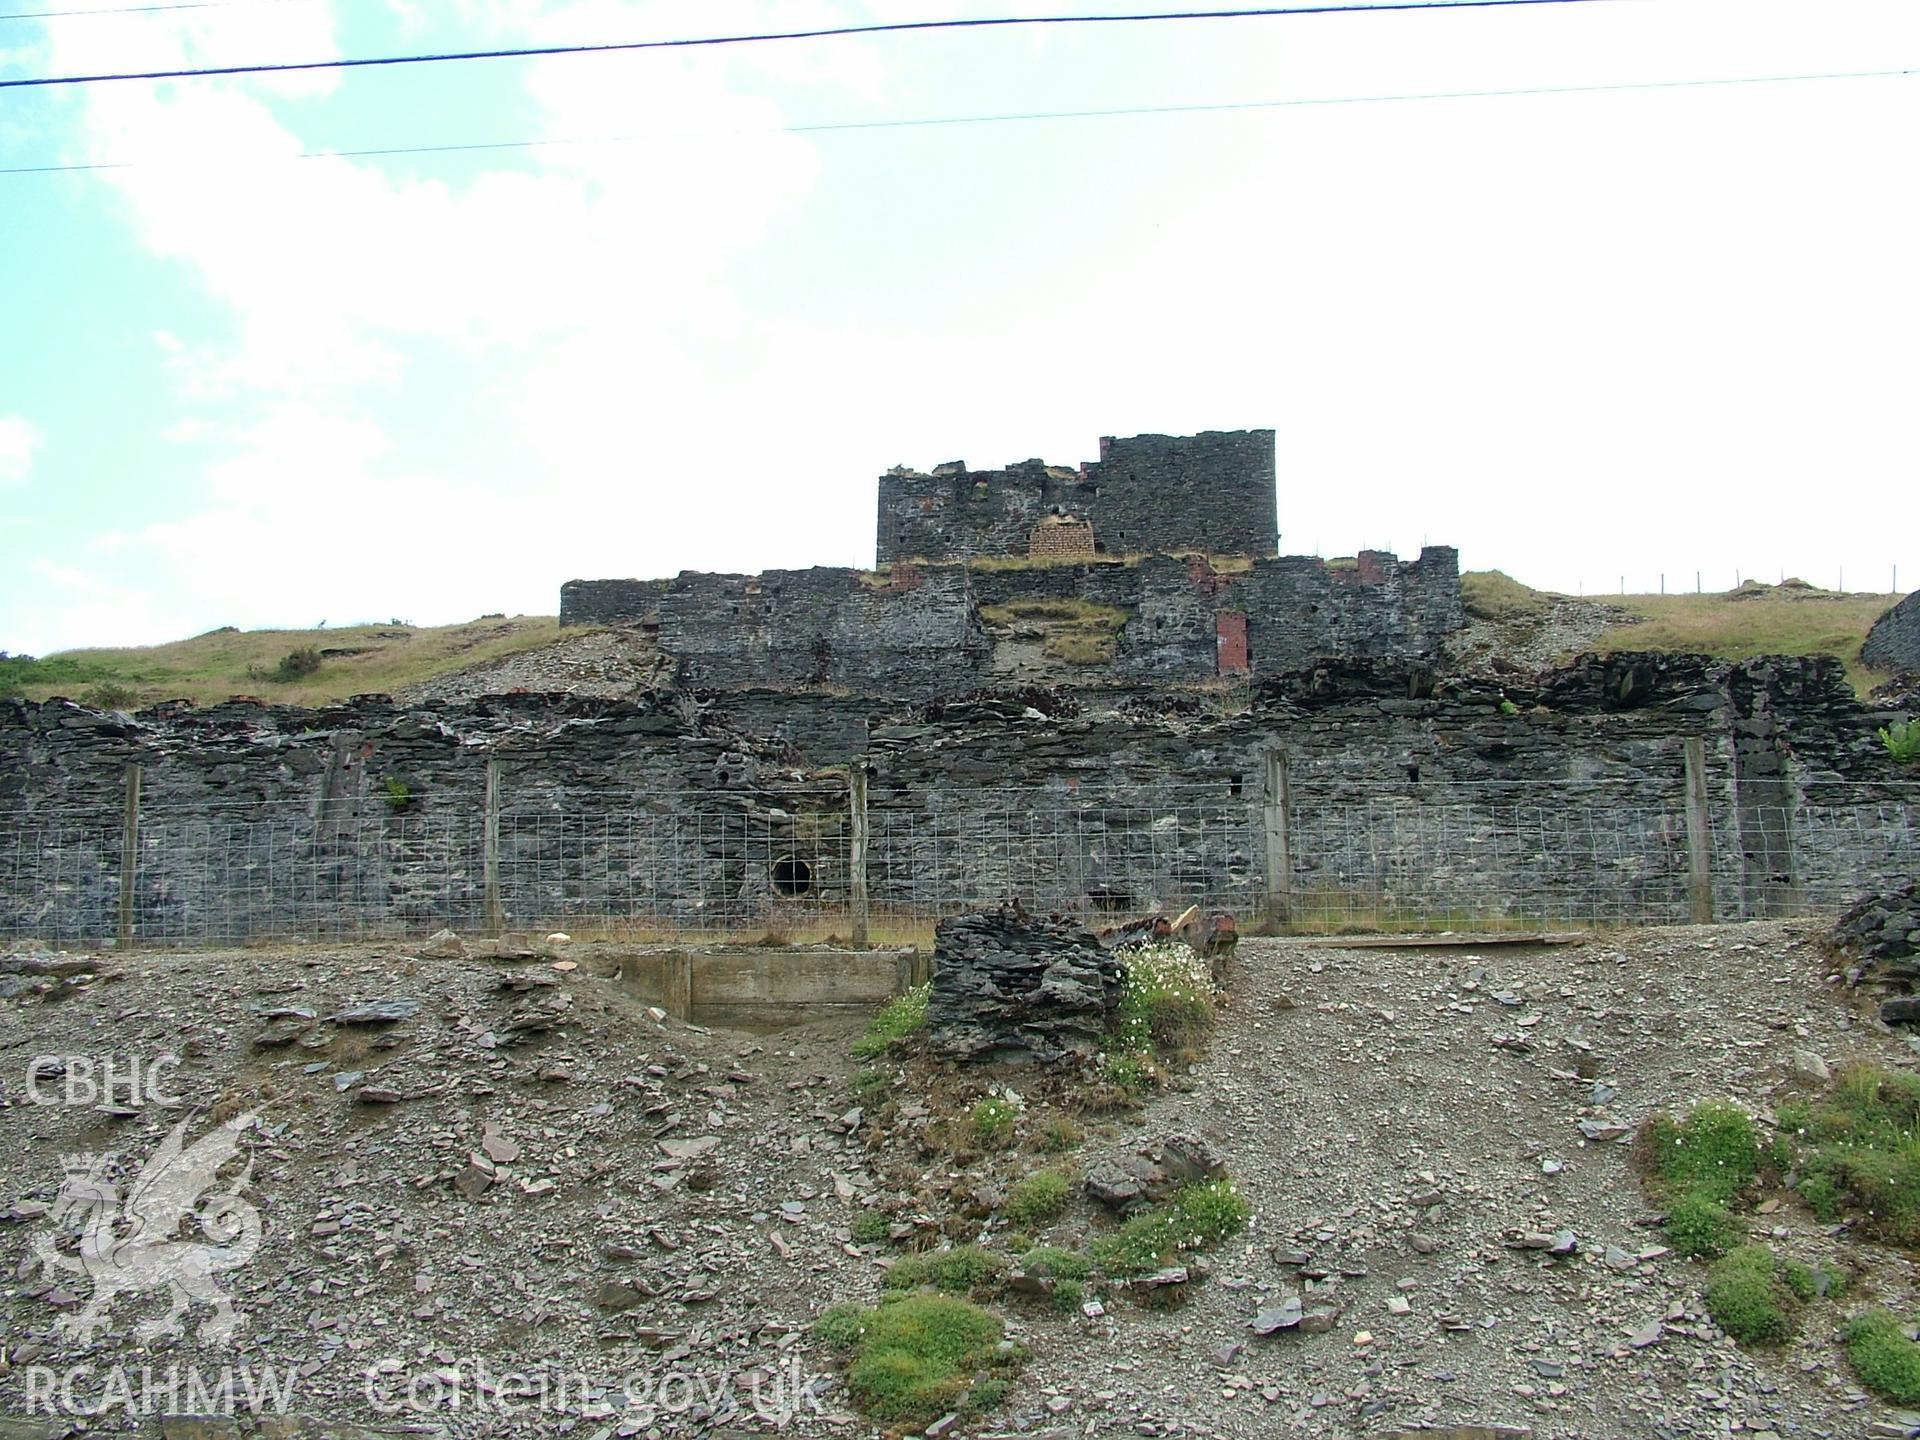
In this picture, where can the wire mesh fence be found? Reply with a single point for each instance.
(801, 863)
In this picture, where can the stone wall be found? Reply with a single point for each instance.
(1894, 641)
(612, 602)
(1562, 799)
(259, 820)
(917, 632)
(1410, 793)
(1212, 492)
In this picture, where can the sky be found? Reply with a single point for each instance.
(1593, 337)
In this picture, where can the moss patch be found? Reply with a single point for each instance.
(1198, 1218)
(1755, 1297)
(1887, 1362)
(1699, 1167)
(1860, 1151)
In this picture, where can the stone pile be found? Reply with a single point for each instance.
(1881, 928)
(1014, 987)
(1880, 935)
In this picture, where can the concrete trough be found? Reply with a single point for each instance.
(764, 988)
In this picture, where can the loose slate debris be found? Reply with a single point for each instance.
(378, 1012)
(1011, 987)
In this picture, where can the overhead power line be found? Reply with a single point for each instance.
(831, 126)
(899, 27)
(129, 9)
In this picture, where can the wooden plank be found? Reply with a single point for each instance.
(1277, 821)
(857, 851)
(495, 918)
(1438, 939)
(1699, 834)
(129, 856)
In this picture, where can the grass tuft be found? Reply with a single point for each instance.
(1753, 1297)
(991, 1122)
(1166, 1011)
(1699, 1166)
(1887, 1361)
(1861, 1151)
(920, 1356)
(1038, 1199)
(1198, 1218)
(963, 1270)
(894, 1021)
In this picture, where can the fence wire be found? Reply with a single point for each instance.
(782, 865)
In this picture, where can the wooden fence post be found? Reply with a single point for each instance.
(495, 919)
(1699, 834)
(1277, 820)
(129, 856)
(857, 851)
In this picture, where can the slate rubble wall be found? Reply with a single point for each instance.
(1561, 797)
(1146, 494)
(917, 633)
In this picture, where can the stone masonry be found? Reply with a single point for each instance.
(1894, 641)
(1150, 494)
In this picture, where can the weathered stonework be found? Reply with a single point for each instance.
(913, 634)
(1561, 796)
(1149, 494)
(917, 632)
(1894, 641)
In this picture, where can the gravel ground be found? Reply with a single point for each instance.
(534, 1175)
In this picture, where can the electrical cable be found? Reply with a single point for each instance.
(832, 32)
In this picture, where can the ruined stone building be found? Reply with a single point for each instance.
(1149, 495)
(1156, 563)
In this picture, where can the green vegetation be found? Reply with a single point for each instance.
(1166, 1011)
(1792, 618)
(1054, 1263)
(1902, 739)
(963, 1270)
(297, 664)
(1699, 1166)
(913, 1359)
(894, 1021)
(1132, 1073)
(1861, 1151)
(870, 1084)
(991, 1122)
(1755, 1297)
(1887, 1362)
(1198, 1218)
(870, 1227)
(399, 794)
(1495, 595)
(1069, 1271)
(1060, 1135)
(1039, 1198)
(222, 663)
(1078, 632)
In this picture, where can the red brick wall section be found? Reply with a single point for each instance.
(1230, 631)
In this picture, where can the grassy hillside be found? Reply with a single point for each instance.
(274, 664)
(1793, 618)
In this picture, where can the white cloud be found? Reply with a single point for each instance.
(19, 441)
(1465, 318)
